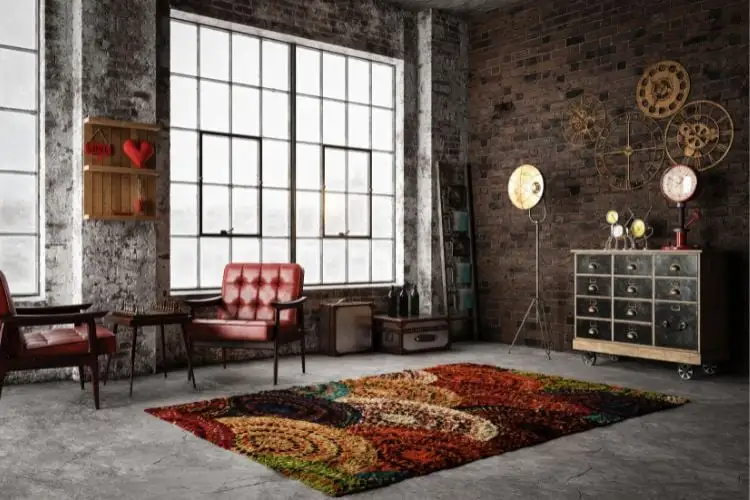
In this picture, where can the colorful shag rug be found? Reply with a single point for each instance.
(353, 435)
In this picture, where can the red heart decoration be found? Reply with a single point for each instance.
(138, 154)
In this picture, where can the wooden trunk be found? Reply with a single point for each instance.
(411, 334)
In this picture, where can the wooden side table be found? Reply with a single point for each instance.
(139, 320)
(405, 335)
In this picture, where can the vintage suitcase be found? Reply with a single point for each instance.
(411, 334)
(345, 328)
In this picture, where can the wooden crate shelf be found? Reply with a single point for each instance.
(112, 184)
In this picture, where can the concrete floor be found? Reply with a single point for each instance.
(53, 445)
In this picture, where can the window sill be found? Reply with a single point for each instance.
(310, 288)
(36, 299)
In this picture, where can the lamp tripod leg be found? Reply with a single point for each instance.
(523, 322)
(545, 329)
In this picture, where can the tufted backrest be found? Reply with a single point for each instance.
(248, 290)
(6, 309)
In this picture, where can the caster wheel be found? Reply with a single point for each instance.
(685, 372)
(710, 368)
(589, 358)
(614, 357)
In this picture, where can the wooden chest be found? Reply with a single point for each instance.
(345, 328)
(411, 334)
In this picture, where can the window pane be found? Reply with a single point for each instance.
(275, 115)
(275, 164)
(275, 211)
(382, 173)
(334, 261)
(18, 23)
(245, 155)
(183, 202)
(334, 76)
(358, 215)
(19, 260)
(245, 59)
(358, 172)
(215, 209)
(245, 211)
(359, 261)
(214, 50)
(214, 106)
(183, 39)
(382, 85)
(335, 169)
(308, 71)
(335, 214)
(308, 119)
(359, 81)
(358, 123)
(334, 123)
(308, 256)
(308, 166)
(215, 167)
(382, 260)
(382, 217)
(382, 129)
(18, 141)
(18, 203)
(245, 111)
(183, 102)
(183, 263)
(275, 65)
(18, 79)
(308, 213)
(214, 257)
(246, 250)
(183, 155)
(275, 250)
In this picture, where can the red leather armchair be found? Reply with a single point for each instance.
(260, 307)
(79, 345)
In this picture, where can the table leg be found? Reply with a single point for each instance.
(132, 358)
(163, 350)
(189, 351)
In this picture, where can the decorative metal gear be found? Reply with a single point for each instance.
(700, 135)
(663, 89)
(630, 151)
(583, 120)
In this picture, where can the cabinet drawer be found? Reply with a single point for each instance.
(676, 289)
(593, 308)
(593, 264)
(633, 265)
(594, 286)
(633, 334)
(676, 265)
(636, 288)
(629, 310)
(676, 326)
(586, 329)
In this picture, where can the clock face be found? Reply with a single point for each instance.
(617, 230)
(612, 217)
(679, 183)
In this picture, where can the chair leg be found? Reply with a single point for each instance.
(302, 352)
(189, 352)
(224, 356)
(3, 371)
(275, 362)
(94, 366)
(106, 369)
(81, 375)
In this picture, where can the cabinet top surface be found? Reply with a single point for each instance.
(406, 319)
(654, 251)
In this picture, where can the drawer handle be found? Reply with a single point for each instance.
(674, 291)
(631, 267)
(632, 335)
(630, 312)
(632, 289)
(682, 326)
(593, 288)
(593, 309)
(593, 331)
(593, 265)
(665, 324)
(674, 268)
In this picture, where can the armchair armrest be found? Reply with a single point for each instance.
(199, 303)
(63, 309)
(288, 304)
(52, 319)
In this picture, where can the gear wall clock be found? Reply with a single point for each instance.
(630, 151)
(663, 89)
(699, 135)
(583, 120)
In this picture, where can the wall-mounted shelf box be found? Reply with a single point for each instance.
(112, 184)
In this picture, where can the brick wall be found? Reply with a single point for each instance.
(538, 56)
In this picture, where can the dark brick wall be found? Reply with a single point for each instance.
(533, 57)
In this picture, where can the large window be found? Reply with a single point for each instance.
(19, 146)
(280, 151)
